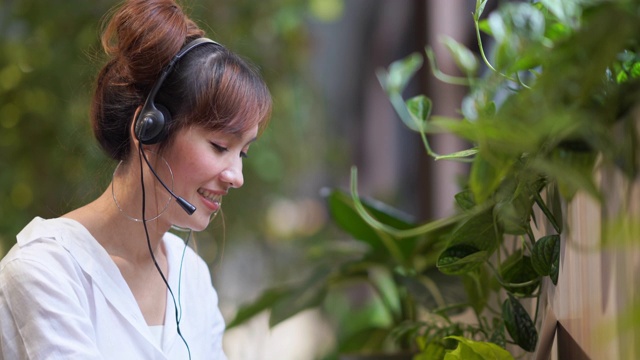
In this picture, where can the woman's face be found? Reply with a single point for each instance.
(205, 165)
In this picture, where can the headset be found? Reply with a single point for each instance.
(152, 122)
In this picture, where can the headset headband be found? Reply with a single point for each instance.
(151, 122)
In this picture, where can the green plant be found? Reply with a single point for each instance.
(401, 274)
(566, 83)
(555, 103)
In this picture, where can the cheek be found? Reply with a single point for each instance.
(184, 162)
(191, 168)
(196, 167)
(194, 162)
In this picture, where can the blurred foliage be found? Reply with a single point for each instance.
(49, 56)
(48, 160)
(560, 89)
(561, 84)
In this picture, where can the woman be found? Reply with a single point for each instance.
(107, 280)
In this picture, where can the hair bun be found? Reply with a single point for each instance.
(140, 37)
(143, 35)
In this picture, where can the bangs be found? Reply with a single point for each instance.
(230, 96)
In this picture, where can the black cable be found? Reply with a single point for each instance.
(187, 206)
(153, 257)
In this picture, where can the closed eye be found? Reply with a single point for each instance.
(222, 149)
(219, 148)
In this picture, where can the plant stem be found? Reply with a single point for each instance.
(535, 319)
(453, 80)
(484, 57)
(441, 310)
(396, 233)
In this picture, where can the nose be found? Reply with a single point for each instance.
(232, 175)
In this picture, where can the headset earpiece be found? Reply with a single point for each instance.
(153, 120)
(152, 123)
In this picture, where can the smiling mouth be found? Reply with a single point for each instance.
(209, 195)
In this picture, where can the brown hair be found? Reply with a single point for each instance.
(210, 86)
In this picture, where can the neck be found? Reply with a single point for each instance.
(114, 229)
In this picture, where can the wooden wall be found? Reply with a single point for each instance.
(588, 314)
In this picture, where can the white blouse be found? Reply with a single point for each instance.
(62, 297)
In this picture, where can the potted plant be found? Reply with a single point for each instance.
(555, 102)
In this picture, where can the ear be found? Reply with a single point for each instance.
(132, 133)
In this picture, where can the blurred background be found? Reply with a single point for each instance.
(319, 58)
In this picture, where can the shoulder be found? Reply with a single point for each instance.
(41, 241)
(46, 254)
(39, 277)
(43, 291)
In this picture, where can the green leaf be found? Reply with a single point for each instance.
(480, 4)
(463, 57)
(621, 77)
(460, 259)
(432, 351)
(463, 128)
(519, 324)
(497, 27)
(265, 301)
(545, 257)
(635, 70)
(514, 207)
(486, 176)
(554, 215)
(485, 27)
(556, 31)
(470, 244)
(498, 337)
(476, 285)
(464, 199)
(344, 214)
(476, 350)
(517, 28)
(524, 20)
(627, 158)
(477, 231)
(307, 295)
(477, 104)
(370, 338)
(420, 109)
(458, 155)
(433, 289)
(400, 72)
(517, 272)
(565, 11)
(553, 196)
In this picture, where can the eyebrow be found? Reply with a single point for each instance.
(251, 141)
(238, 135)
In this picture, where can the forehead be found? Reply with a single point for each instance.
(249, 134)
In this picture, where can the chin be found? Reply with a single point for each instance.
(199, 227)
(195, 222)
